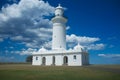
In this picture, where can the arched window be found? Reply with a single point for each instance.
(74, 57)
(36, 58)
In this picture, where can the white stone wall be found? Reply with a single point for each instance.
(36, 61)
(81, 59)
(74, 62)
(48, 60)
(58, 60)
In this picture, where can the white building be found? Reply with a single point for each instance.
(59, 56)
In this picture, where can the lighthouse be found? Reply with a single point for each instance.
(59, 29)
(59, 55)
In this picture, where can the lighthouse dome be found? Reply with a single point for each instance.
(78, 47)
(42, 49)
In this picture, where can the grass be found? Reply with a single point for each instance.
(29, 72)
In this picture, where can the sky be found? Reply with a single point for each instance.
(25, 26)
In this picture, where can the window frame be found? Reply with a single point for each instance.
(74, 57)
(36, 58)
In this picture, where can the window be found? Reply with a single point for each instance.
(36, 58)
(74, 57)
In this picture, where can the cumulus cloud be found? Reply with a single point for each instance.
(81, 39)
(28, 51)
(87, 42)
(48, 45)
(110, 55)
(26, 22)
(95, 46)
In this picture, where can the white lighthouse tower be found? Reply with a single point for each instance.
(59, 29)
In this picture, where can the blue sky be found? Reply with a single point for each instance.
(25, 26)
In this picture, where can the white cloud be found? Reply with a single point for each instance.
(109, 55)
(3, 17)
(95, 46)
(27, 8)
(68, 27)
(19, 38)
(103, 55)
(26, 22)
(48, 45)
(87, 42)
(46, 30)
(81, 39)
(28, 51)
(11, 11)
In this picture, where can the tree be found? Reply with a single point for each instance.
(29, 58)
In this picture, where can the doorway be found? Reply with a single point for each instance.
(65, 60)
(53, 60)
(43, 61)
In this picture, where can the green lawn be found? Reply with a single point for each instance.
(29, 72)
